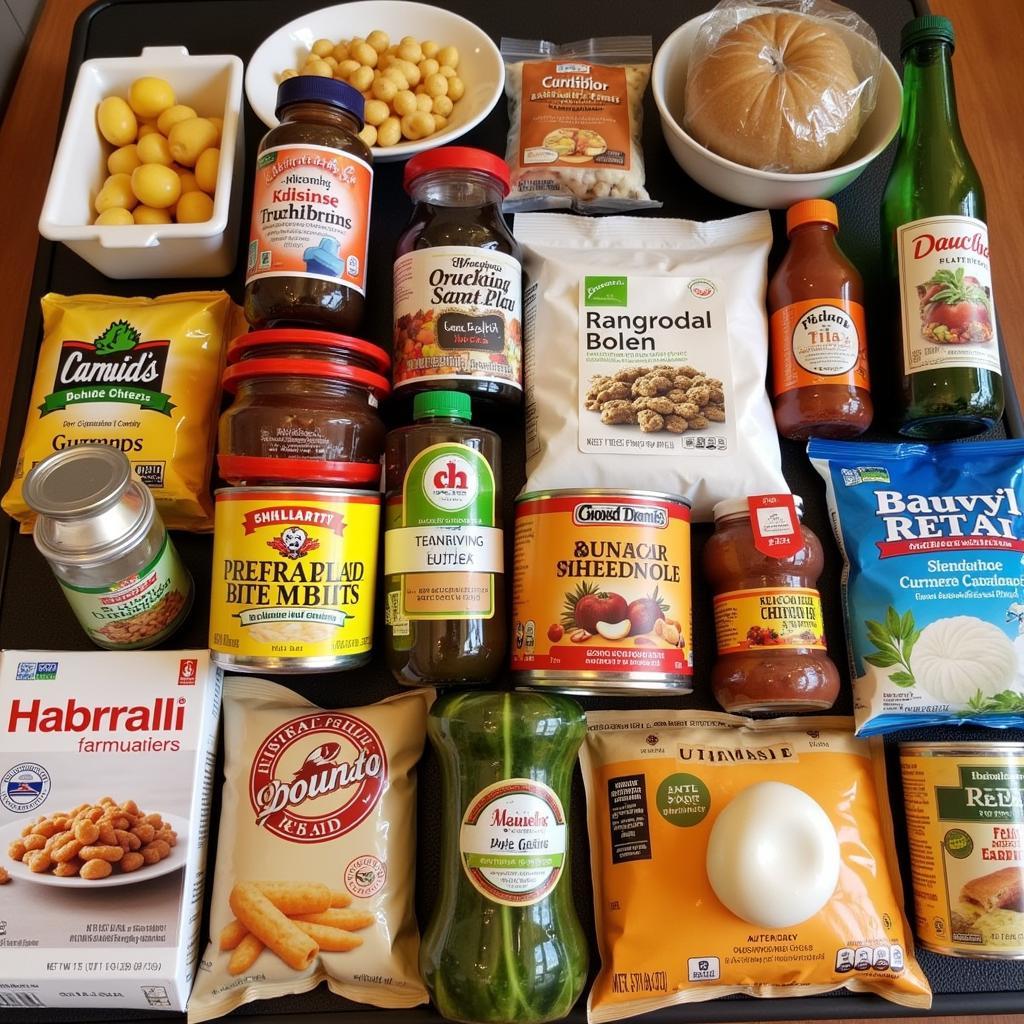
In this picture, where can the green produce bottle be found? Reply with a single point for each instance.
(935, 244)
(504, 944)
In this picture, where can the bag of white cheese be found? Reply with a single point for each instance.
(646, 346)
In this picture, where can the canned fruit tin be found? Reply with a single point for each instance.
(965, 825)
(601, 592)
(294, 570)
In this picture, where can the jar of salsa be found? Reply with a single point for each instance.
(458, 280)
(310, 210)
(305, 409)
(818, 340)
(762, 564)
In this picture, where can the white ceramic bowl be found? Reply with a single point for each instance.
(746, 185)
(210, 84)
(480, 65)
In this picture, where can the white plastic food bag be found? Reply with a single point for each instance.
(646, 346)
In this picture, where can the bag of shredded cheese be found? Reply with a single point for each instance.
(645, 349)
(933, 538)
(141, 375)
(769, 842)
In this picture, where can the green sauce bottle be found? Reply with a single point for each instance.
(935, 244)
(504, 944)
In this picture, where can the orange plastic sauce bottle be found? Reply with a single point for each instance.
(820, 383)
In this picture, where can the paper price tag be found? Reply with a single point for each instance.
(775, 525)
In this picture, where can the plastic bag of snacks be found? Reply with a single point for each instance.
(316, 852)
(933, 537)
(141, 375)
(681, 806)
(645, 353)
(781, 85)
(575, 112)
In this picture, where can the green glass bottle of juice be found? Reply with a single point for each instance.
(935, 244)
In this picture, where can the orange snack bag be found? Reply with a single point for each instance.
(657, 784)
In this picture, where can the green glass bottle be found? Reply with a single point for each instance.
(935, 245)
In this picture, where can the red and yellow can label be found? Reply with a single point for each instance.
(787, 618)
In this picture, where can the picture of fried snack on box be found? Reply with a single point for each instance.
(993, 906)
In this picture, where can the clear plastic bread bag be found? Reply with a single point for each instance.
(781, 85)
(575, 115)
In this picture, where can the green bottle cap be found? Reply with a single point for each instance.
(929, 28)
(451, 404)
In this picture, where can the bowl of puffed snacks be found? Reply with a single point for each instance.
(428, 76)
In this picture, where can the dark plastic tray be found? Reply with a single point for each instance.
(33, 614)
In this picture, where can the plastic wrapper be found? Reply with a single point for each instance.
(575, 115)
(783, 85)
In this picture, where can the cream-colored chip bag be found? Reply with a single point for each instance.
(646, 348)
(316, 851)
(141, 375)
(739, 856)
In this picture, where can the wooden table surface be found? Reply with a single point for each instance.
(987, 71)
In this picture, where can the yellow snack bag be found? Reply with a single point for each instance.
(740, 856)
(142, 375)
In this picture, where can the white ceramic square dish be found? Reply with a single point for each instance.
(212, 84)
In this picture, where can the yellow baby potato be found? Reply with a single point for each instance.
(319, 68)
(448, 56)
(150, 97)
(189, 182)
(172, 115)
(429, 48)
(369, 135)
(456, 88)
(115, 215)
(389, 132)
(427, 67)
(409, 69)
(383, 89)
(340, 52)
(376, 112)
(330, 62)
(189, 138)
(155, 185)
(442, 106)
(424, 103)
(418, 125)
(218, 123)
(116, 191)
(149, 215)
(322, 47)
(286, 74)
(361, 78)
(379, 40)
(394, 74)
(124, 159)
(365, 54)
(148, 128)
(206, 169)
(440, 121)
(354, 42)
(436, 85)
(404, 103)
(345, 68)
(116, 120)
(410, 50)
(194, 207)
(154, 149)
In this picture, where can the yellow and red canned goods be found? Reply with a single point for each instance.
(965, 826)
(601, 592)
(294, 571)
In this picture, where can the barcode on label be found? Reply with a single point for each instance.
(18, 999)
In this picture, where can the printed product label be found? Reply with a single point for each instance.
(443, 545)
(458, 315)
(819, 342)
(513, 842)
(574, 113)
(136, 611)
(310, 216)
(293, 574)
(654, 369)
(965, 825)
(773, 618)
(946, 295)
(602, 584)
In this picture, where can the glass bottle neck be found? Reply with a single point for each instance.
(320, 113)
(456, 188)
(929, 96)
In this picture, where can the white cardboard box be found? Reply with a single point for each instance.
(74, 728)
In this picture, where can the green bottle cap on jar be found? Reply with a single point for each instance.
(451, 404)
(928, 28)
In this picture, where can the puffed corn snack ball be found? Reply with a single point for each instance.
(164, 152)
(411, 88)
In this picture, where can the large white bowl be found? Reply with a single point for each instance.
(746, 185)
(212, 84)
(480, 65)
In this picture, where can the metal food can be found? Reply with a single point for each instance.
(98, 527)
(294, 571)
(601, 598)
(965, 826)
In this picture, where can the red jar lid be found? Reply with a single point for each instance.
(250, 344)
(238, 468)
(249, 369)
(456, 158)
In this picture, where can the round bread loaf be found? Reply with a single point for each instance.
(777, 92)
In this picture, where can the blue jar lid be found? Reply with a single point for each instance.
(314, 89)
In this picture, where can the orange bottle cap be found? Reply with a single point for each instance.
(811, 211)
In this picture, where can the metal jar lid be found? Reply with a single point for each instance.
(89, 506)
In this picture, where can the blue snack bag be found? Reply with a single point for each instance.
(933, 589)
